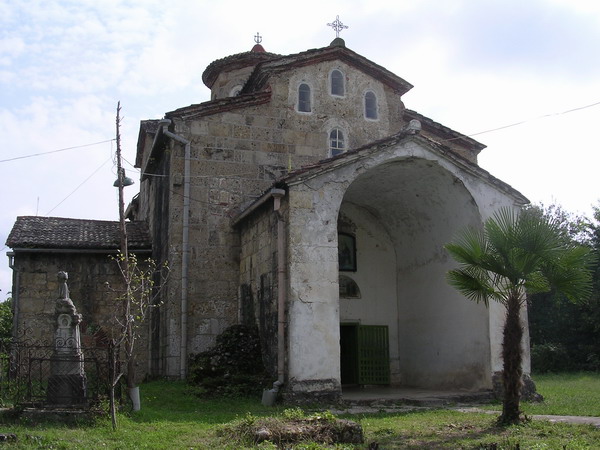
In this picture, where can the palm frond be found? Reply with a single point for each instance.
(515, 252)
(472, 283)
(537, 283)
(540, 237)
(468, 247)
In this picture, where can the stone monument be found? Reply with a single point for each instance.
(67, 382)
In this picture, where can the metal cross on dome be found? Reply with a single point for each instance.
(337, 26)
(258, 38)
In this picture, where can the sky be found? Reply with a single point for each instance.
(478, 66)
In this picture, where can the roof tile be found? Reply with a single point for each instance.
(65, 233)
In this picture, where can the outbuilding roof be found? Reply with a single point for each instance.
(31, 232)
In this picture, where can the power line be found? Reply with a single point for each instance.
(56, 151)
(468, 135)
(535, 118)
(81, 184)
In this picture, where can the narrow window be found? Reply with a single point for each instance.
(370, 105)
(304, 98)
(336, 142)
(337, 83)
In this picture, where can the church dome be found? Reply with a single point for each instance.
(236, 62)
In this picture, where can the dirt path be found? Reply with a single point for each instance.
(580, 420)
(372, 409)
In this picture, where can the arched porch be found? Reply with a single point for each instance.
(399, 204)
(400, 214)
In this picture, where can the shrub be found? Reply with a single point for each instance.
(549, 358)
(6, 321)
(233, 367)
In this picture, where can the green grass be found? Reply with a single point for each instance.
(568, 394)
(451, 429)
(173, 417)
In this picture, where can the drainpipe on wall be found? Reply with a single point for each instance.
(185, 248)
(15, 294)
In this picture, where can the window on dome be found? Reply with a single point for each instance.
(370, 105)
(304, 98)
(337, 83)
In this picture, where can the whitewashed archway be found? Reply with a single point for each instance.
(410, 199)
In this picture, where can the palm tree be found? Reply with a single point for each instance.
(512, 256)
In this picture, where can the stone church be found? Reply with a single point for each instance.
(306, 199)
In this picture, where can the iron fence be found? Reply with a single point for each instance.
(30, 375)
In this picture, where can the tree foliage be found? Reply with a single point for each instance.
(6, 321)
(515, 255)
(565, 335)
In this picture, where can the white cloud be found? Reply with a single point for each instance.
(9, 48)
(66, 63)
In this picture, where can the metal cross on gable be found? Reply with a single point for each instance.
(337, 26)
(258, 38)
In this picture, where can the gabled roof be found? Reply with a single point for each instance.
(264, 70)
(221, 105)
(331, 164)
(443, 131)
(348, 157)
(32, 232)
(147, 127)
(443, 150)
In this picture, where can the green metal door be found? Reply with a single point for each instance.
(373, 355)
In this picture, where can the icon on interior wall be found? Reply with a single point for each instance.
(347, 252)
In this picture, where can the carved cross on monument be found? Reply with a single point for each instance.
(337, 26)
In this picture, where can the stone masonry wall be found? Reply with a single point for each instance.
(258, 279)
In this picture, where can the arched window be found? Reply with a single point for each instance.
(348, 287)
(336, 142)
(235, 91)
(304, 98)
(370, 105)
(337, 83)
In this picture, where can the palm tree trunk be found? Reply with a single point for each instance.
(512, 355)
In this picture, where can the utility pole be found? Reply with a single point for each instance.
(125, 263)
(126, 336)
(120, 185)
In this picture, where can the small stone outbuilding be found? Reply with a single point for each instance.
(43, 246)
